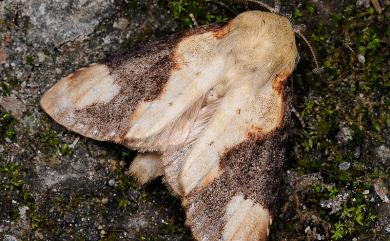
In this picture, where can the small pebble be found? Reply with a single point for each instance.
(111, 183)
(345, 135)
(387, 229)
(14, 105)
(70, 218)
(366, 192)
(41, 57)
(22, 212)
(107, 40)
(381, 191)
(383, 154)
(121, 24)
(39, 235)
(344, 166)
(356, 152)
(365, 3)
(104, 200)
(8, 237)
(361, 58)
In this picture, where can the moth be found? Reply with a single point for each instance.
(208, 110)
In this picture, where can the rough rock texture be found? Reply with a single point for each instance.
(56, 185)
(57, 21)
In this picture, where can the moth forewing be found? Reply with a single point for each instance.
(212, 105)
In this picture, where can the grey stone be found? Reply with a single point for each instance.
(344, 166)
(383, 154)
(70, 218)
(335, 203)
(57, 21)
(345, 135)
(112, 183)
(13, 105)
(8, 237)
(361, 58)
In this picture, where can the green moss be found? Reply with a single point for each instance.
(10, 84)
(48, 140)
(30, 60)
(204, 12)
(146, 238)
(50, 143)
(124, 182)
(7, 126)
(111, 236)
(170, 227)
(351, 219)
(348, 94)
(12, 189)
(65, 149)
(13, 174)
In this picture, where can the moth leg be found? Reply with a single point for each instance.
(146, 167)
(299, 117)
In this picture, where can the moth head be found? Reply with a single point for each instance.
(259, 43)
(298, 28)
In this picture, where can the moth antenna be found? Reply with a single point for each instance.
(290, 18)
(317, 69)
(296, 113)
(277, 5)
(264, 5)
(193, 19)
(232, 10)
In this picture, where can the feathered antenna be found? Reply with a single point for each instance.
(317, 69)
(264, 5)
(232, 10)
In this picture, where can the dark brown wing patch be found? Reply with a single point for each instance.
(251, 169)
(140, 76)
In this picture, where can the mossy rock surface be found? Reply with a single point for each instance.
(57, 185)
